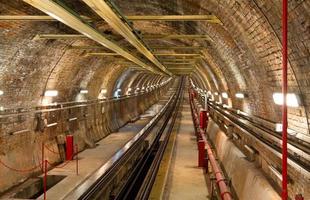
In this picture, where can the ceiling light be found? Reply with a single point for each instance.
(1, 92)
(292, 99)
(225, 95)
(240, 95)
(216, 93)
(51, 93)
(83, 91)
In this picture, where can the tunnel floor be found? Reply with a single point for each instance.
(185, 179)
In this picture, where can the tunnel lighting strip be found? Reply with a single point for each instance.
(103, 9)
(60, 13)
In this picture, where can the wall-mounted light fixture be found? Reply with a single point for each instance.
(240, 95)
(103, 91)
(51, 93)
(292, 100)
(83, 91)
(224, 95)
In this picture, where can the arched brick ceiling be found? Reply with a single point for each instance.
(245, 54)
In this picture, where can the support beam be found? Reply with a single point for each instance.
(207, 18)
(102, 54)
(179, 54)
(70, 18)
(178, 59)
(118, 23)
(146, 37)
(59, 36)
(178, 47)
(26, 18)
(175, 36)
(173, 63)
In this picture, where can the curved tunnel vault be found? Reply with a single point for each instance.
(241, 54)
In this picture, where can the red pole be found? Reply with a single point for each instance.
(42, 160)
(77, 159)
(284, 106)
(45, 178)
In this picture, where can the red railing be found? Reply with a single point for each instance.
(44, 165)
(203, 147)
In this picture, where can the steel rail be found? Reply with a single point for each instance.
(111, 167)
(272, 140)
(148, 182)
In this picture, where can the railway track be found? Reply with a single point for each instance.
(140, 178)
(264, 132)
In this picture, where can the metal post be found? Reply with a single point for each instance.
(42, 159)
(45, 178)
(284, 106)
(77, 159)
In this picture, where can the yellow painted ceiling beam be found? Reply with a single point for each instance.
(102, 54)
(147, 37)
(178, 47)
(59, 36)
(117, 22)
(207, 18)
(174, 63)
(67, 17)
(179, 54)
(175, 36)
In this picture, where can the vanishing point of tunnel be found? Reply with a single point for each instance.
(155, 99)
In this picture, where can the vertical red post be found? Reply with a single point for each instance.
(203, 119)
(45, 178)
(43, 159)
(69, 147)
(77, 159)
(201, 153)
(284, 106)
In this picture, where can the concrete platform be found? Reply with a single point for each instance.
(185, 180)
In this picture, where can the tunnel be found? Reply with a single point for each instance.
(155, 99)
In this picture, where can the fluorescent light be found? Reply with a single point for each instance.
(83, 91)
(51, 93)
(1, 92)
(240, 95)
(225, 95)
(292, 99)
